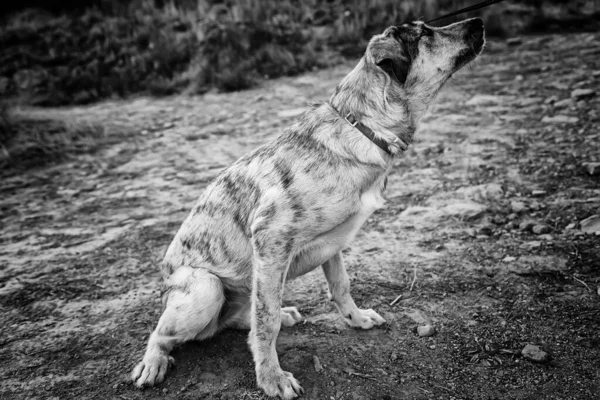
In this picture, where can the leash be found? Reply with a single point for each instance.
(466, 9)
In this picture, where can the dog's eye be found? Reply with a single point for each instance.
(426, 31)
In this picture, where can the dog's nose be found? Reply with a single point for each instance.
(475, 26)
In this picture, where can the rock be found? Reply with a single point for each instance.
(499, 220)
(563, 103)
(511, 225)
(592, 168)
(538, 193)
(484, 100)
(517, 206)
(425, 330)
(579, 94)
(560, 119)
(591, 224)
(535, 354)
(317, 363)
(514, 41)
(291, 113)
(536, 244)
(487, 230)
(526, 225)
(551, 100)
(540, 229)
(509, 259)
(572, 225)
(466, 209)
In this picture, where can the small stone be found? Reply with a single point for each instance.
(487, 230)
(563, 103)
(582, 93)
(115, 386)
(499, 220)
(536, 244)
(540, 229)
(526, 225)
(551, 100)
(165, 390)
(535, 354)
(538, 193)
(517, 206)
(317, 364)
(509, 259)
(426, 330)
(484, 100)
(572, 225)
(560, 119)
(511, 225)
(591, 224)
(514, 41)
(291, 113)
(592, 168)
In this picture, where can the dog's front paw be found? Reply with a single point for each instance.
(151, 370)
(290, 316)
(364, 319)
(277, 382)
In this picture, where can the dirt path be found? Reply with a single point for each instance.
(483, 238)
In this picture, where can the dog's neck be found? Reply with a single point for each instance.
(377, 102)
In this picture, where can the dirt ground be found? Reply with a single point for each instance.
(482, 238)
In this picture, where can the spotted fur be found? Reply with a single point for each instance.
(293, 204)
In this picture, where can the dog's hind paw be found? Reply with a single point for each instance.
(364, 319)
(290, 316)
(279, 383)
(151, 370)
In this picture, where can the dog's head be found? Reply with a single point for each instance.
(402, 71)
(416, 54)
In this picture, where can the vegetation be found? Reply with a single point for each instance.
(115, 48)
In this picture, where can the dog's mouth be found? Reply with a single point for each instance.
(474, 38)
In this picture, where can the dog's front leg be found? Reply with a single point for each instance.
(339, 290)
(270, 268)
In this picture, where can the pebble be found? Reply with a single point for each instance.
(526, 225)
(317, 363)
(514, 41)
(538, 193)
(535, 354)
(426, 330)
(592, 168)
(591, 224)
(560, 119)
(517, 206)
(540, 229)
(563, 103)
(582, 93)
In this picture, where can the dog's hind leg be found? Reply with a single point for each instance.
(339, 290)
(193, 300)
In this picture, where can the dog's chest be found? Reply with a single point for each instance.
(326, 245)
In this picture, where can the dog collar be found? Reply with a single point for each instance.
(368, 132)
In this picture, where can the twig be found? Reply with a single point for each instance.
(414, 278)
(585, 284)
(396, 300)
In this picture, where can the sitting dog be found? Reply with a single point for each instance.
(293, 204)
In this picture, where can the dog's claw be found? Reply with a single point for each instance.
(151, 370)
(280, 383)
(364, 319)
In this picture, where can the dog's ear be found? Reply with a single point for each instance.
(389, 55)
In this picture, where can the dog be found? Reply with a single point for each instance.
(295, 203)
